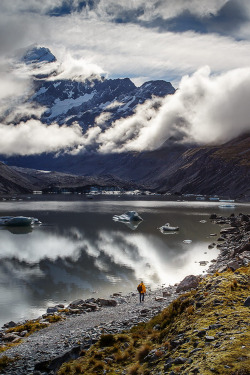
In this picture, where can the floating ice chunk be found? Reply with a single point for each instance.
(168, 228)
(187, 241)
(128, 217)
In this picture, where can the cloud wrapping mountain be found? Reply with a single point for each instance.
(205, 110)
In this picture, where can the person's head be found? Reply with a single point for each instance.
(141, 282)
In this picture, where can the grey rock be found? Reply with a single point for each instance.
(106, 302)
(10, 324)
(215, 326)
(202, 333)
(166, 294)
(180, 360)
(229, 230)
(247, 302)
(233, 265)
(189, 282)
(52, 310)
(209, 338)
(76, 303)
(168, 363)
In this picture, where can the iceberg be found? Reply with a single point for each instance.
(129, 216)
(168, 228)
(18, 221)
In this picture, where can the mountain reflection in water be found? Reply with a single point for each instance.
(80, 251)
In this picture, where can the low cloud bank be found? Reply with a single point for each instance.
(33, 137)
(205, 109)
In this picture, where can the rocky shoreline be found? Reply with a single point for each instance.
(81, 323)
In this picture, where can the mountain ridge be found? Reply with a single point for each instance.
(174, 167)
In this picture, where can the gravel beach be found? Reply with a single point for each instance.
(66, 338)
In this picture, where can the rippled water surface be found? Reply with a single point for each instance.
(79, 251)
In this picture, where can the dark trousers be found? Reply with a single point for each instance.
(141, 297)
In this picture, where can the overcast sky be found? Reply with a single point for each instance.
(156, 39)
(201, 46)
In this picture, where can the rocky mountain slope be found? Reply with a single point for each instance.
(83, 100)
(15, 180)
(100, 101)
(222, 170)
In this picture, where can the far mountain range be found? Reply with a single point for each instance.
(218, 169)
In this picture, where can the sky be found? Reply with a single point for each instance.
(187, 42)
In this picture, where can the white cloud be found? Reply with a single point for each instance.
(33, 137)
(102, 118)
(126, 49)
(24, 110)
(112, 9)
(206, 109)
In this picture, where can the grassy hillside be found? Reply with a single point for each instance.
(205, 331)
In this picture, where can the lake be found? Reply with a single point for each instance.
(79, 251)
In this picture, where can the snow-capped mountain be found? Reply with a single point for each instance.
(68, 100)
(95, 101)
(38, 55)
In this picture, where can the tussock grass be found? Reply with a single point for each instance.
(107, 340)
(31, 326)
(142, 352)
(179, 323)
(4, 362)
(53, 318)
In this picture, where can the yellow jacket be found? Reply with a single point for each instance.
(143, 288)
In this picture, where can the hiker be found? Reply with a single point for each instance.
(142, 290)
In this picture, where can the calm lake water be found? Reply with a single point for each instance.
(79, 251)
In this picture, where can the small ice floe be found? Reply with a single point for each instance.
(36, 221)
(229, 205)
(166, 228)
(128, 217)
(187, 241)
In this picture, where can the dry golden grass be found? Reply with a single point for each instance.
(231, 357)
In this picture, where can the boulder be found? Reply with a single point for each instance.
(213, 217)
(159, 299)
(11, 337)
(245, 218)
(106, 302)
(91, 306)
(55, 363)
(229, 230)
(180, 360)
(166, 294)
(52, 310)
(189, 282)
(233, 265)
(10, 324)
(76, 303)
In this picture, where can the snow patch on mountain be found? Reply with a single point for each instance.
(127, 105)
(63, 106)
